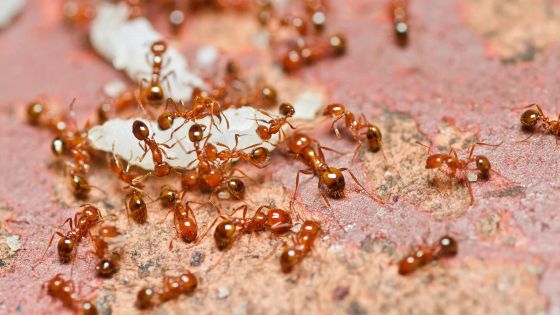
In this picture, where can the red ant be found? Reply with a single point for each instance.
(84, 220)
(142, 133)
(306, 54)
(302, 245)
(231, 228)
(531, 117)
(201, 108)
(446, 247)
(154, 93)
(64, 290)
(134, 202)
(458, 168)
(399, 15)
(184, 221)
(173, 287)
(331, 181)
(275, 124)
(108, 263)
(372, 133)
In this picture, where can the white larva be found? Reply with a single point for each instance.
(117, 134)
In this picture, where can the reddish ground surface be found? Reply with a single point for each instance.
(458, 82)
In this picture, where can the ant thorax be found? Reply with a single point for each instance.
(116, 134)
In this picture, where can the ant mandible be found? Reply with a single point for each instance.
(446, 247)
(331, 180)
(457, 168)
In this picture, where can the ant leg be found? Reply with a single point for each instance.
(426, 146)
(48, 246)
(244, 207)
(335, 128)
(357, 150)
(165, 218)
(469, 187)
(362, 187)
(306, 172)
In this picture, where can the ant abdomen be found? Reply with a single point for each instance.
(224, 234)
(530, 118)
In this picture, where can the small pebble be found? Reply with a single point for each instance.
(223, 292)
(13, 243)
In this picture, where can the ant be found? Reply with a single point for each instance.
(399, 14)
(154, 92)
(184, 221)
(306, 54)
(173, 287)
(372, 133)
(259, 156)
(331, 180)
(531, 117)
(134, 202)
(457, 168)
(446, 247)
(64, 290)
(108, 263)
(142, 133)
(84, 220)
(302, 245)
(231, 228)
(201, 107)
(275, 124)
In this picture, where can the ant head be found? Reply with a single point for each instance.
(287, 109)
(165, 120)
(146, 298)
(158, 47)
(154, 93)
(310, 228)
(188, 282)
(140, 130)
(263, 132)
(260, 156)
(332, 182)
(334, 109)
(530, 117)
(212, 178)
(236, 188)
(196, 132)
(168, 197)
(210, 151)
(436, 160)
(91, 213)
(482, 164)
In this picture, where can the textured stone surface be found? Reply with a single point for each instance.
(444, 89)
